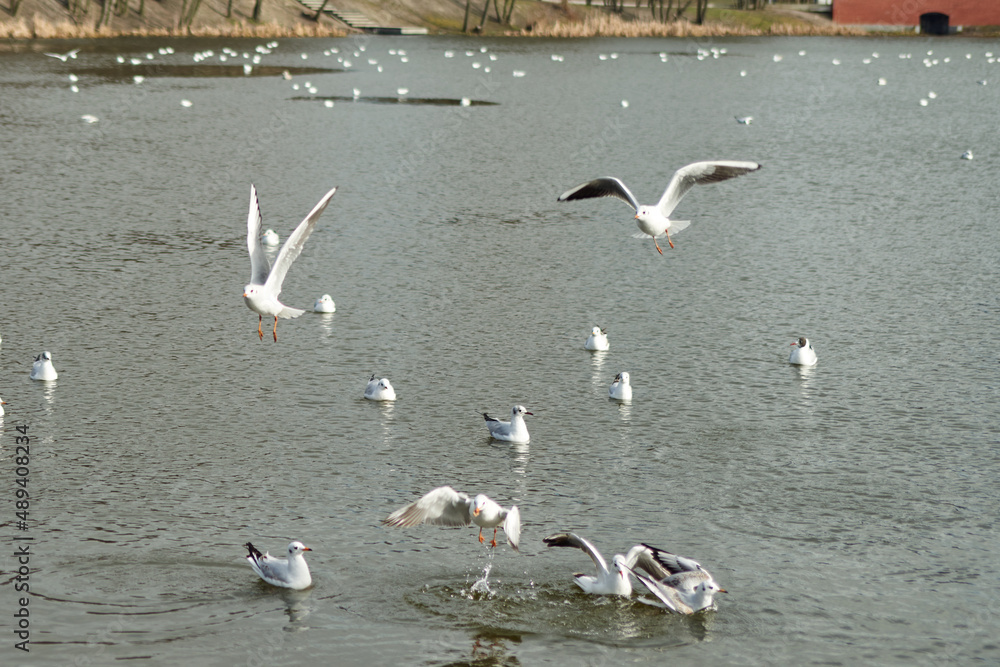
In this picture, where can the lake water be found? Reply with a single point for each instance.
(849, 509)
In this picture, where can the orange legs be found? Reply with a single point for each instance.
(493, 543)
(260, 323)
(481, 535)
(275, 328)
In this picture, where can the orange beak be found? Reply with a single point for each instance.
(306, 549)
(475, 512)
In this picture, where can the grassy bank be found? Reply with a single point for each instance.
(39, 28)
(613, 25)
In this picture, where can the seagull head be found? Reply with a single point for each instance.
(520, 410)
(478, 504)
(623, 377)
(620, 566)
(645, 213)
(46, 356)
(384, 383)
(249, 291)
(296, 548)
(596, 331)
(709, 588)
(802, 342)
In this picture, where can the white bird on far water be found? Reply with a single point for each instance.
(325, 304)
(688, 588)
(744, 120)
(444, 506)
(803, 354)
(967, 155)
(64, 56)
(597, 341)
(89, 118)
(612, 580)
(620, 389)
(513, 431)
(379, 390)
(42, 368)
(261, 293)
(655, 220)
(291, 572)
(270, 238)
(2, 403)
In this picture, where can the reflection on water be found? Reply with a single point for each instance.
(597, 360)
(326, 322)
(296, 608)
(490, 650)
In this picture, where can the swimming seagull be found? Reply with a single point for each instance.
(261, 293)
(655, 220)
(513, 431)
(444, 506)
(379, 390)
(620, 389)
(2, 403)
(613, 580)
(967, 155)
(270, 238)
(687, 589)
(597, 341)
(803, 354)
(291, 572)
(744, 120)
(64, 56)
(42, 368)
(325, 304)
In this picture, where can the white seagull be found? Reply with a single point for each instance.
(803, 354)
(655, 220)
(42, 368)
(291, 572)
(744, 120)
(379, 390)
(613, 580)
(2, 403)
(261, 293)
(444, 506)
(513, 431)
(270, 238)
(688, 588)
(64, 56)
(967, 155)
(597, 341)
(325, 304)
(620, 389)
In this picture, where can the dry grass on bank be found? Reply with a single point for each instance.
(616, 26)
(40, 28)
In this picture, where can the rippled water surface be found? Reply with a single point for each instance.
(849, 509)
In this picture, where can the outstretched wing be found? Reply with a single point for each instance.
(293, 245)
(670, 598)
(441, 507)
(601, 187)
(574, 540)
(643, 557)
(700, 173)
(683, 573)
(259, 266)
(512, 527)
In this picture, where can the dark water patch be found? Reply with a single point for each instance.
(125, 72)
(426, 101)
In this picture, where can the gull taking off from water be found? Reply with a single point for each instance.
(42, 368)
(620, 389)
(64, 56)
(613, 580)
(444, 506)
(291, 572)
(688, 588)
(261, 293)
(655, 220)
(803, 354)
(379, 390)
(597, 341)
(513, 431)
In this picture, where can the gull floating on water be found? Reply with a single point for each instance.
(379, 390)
(513, 431)
(42, 368)
(744, 120)
(967, 155)
(803, 354)
(89, 118)
(597, 341)
(325, 304)
(270, 238)
(2, 403)
(444, 506)
(291, 572)
(261, 293)
(620, 389)
(655, 220)
(64, 56)
(613, 580)
(688, 587)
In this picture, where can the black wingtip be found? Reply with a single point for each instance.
(253, 553)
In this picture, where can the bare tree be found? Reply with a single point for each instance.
(256, 10)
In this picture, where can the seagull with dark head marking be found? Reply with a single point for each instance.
(686, 589)
(654, 221)
(261, 293)
(513, 431)
(612, 580)
(803, 354)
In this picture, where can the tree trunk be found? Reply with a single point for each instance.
(229, 9)
(465, 23)
(700, 10)
(482, 19)
(257, 10)
(508, 10)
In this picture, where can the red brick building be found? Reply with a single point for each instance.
(933, 16)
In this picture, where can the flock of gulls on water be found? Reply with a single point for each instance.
(679, 584)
